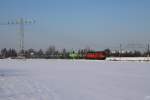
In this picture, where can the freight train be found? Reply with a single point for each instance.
(97, 55)
(93, 55)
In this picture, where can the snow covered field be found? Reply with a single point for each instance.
(128, 58)
(74, 80)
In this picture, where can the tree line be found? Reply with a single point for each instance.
(53, 53)
(50, 53)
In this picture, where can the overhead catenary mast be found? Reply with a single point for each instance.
(120, 51)
(148, 52)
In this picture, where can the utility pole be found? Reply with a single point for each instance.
(148, 53)
(120, 52)
(148, 50)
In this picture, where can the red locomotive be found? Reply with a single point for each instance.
(98, 55)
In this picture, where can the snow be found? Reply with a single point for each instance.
(39, 79)
(128, 58)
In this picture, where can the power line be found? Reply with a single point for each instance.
(21, 22)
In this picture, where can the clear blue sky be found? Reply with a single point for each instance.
(76, 24)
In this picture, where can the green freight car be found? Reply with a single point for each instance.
(73, 55)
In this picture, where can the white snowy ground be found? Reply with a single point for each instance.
(74, 80)
(128, 58)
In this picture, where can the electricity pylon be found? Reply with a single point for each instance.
(21, 22)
